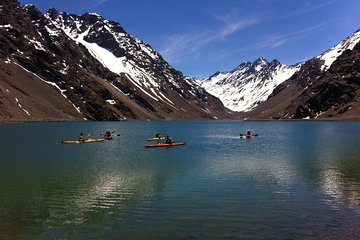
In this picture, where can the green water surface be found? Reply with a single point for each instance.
(296, 180)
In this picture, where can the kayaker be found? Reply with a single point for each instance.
(168, 140)
(248, 134)
(158, 135)
(108, 134)
(81, 138)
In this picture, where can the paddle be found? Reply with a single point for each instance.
(84, 138)
(252, 135)
(112, 133)
(87, 136)
(116, 134)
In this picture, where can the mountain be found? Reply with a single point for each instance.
(325, 87)
(60, 66)
(243, 88)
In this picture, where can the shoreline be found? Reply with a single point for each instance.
(352, 119)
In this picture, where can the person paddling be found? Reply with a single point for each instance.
(108, 135)
(158, 135)
(168, 140)
(81, 137)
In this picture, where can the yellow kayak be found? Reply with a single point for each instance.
(156, 139)
(165, 144)
(90, 140)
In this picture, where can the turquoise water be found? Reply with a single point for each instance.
(296, 180)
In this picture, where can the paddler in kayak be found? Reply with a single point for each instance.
(81, 137)
(168, 140)
(248, 134)
(158, 135)
(108, 135)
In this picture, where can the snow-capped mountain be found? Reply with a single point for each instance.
(118, 51)
(250, 84)
(326, 86)
(333, 53)
(94, 67)
(246, 86)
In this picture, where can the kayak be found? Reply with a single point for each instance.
(165, 144)
(156, 139)
(90, 140)
(248, 136)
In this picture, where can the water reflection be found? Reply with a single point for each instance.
(99, 200)
(301, 179)
(342, 183)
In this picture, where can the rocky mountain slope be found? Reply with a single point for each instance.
(326, 87)
(59, 66)
(243, 88)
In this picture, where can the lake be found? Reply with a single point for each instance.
(295, 180)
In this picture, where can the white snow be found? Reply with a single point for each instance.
(117, 88)
(27, 112)
(51, 32)
(21, 107)
(111, 101)
(36, 44)
(64, 71)
(332, 54)
(95, 14)
(6, 26)
(241, 90)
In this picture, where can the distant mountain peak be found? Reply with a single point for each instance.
(243, 88)
(275, 62)
(260, 61)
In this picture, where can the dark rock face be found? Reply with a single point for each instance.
(336, 90)
(45, 47)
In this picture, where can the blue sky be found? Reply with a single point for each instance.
(200, 37)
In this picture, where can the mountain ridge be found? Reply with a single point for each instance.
(326, 87)
(95, 70)
(65, 51)
(242, 88)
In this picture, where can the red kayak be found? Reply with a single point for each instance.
(165, 144)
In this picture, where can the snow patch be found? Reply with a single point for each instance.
(110, 101)
(36, 44)
(21, 107)
(6, 26)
